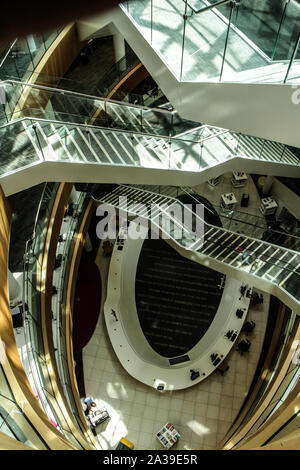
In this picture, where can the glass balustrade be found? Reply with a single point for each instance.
(24, 55)
(44, 102)
(39, 373)
(64, 250)
(212, 145)
(233, 41)
(27, 141)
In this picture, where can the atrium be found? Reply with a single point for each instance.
(150, 228)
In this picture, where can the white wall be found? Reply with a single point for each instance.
(102, 173)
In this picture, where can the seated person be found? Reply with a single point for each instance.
(88, 402)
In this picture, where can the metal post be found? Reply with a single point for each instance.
(279, 29)
(231, 5)
(292, 58)
(183, 38)
(37, 138)
(151, 21)
(200, 155)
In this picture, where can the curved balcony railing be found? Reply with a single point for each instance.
(60, 277)
(38, 373)
(230, 41)
(264, 410)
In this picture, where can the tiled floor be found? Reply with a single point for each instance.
(202, 414)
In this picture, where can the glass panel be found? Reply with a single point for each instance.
(19, 146)
(294, 71)
(205, 36)
(4, 387)
(167, 31)
(257, 36)
(154, 122)
(140, 10)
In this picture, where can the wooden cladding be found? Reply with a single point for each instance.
(53, 65)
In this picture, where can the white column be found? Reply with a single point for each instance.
(14, 287)
(119, 48)
(88, 244)
(73, 196)
(267, 186)
(31, 43)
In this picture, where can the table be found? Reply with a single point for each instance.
(268, 206)
(239, 179)
(167, 435)
(228, 201)
(213, 181)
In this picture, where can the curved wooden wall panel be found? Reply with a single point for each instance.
(12, 366)
(131, 80)
(274, 385)
(289, 442)
(126, 84)
(53, 65)
(289, 408)
(8, 443)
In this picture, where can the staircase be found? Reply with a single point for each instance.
(26, 142)
(273, 268)
(211, 70)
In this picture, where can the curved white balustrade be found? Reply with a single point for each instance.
(128, 340)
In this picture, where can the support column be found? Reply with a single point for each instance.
(31, 44)
(119, 48)
(14, 287)
(73, 196)
(267, 186)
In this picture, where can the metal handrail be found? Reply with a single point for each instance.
(8, 52)
(209, 7)
(86, 96)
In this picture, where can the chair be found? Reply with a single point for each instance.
(194, 374)
(244, 345)
(223, 367)
(249, 326)
(239, 313)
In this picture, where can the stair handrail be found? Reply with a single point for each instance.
(86, 96)
(209, 7)
(211, 225)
